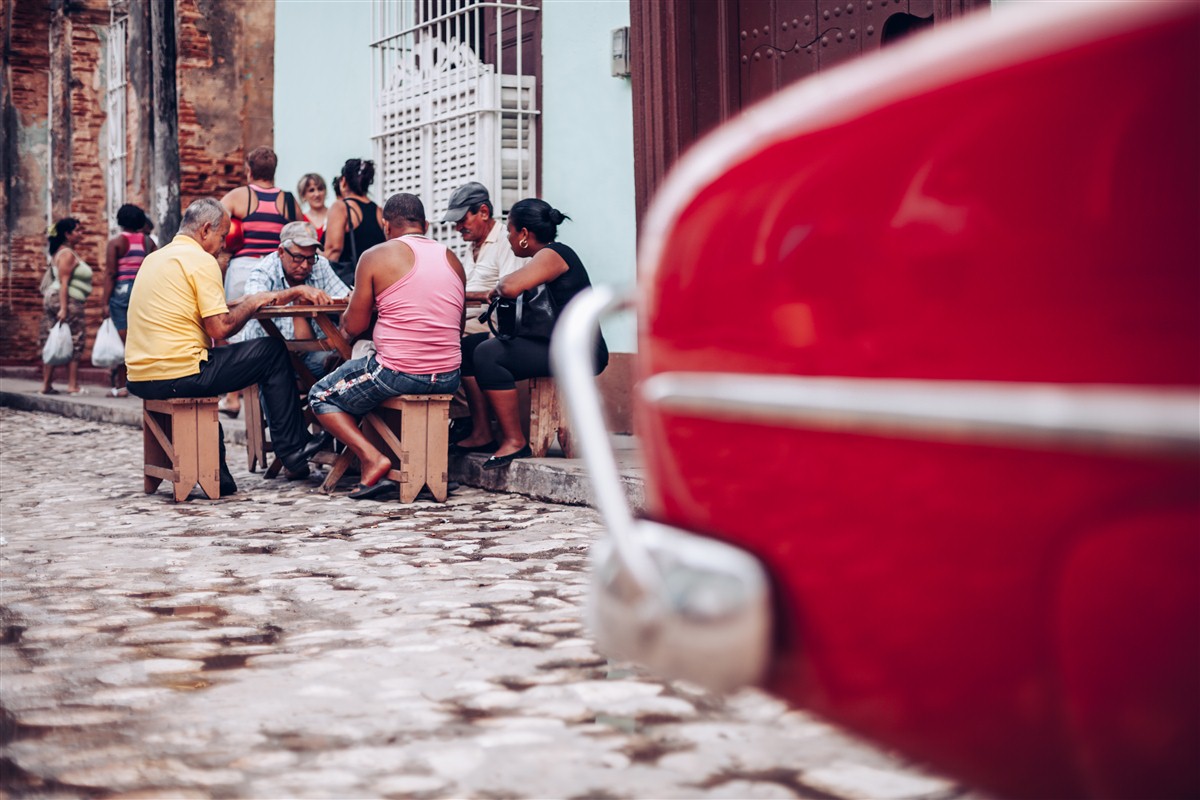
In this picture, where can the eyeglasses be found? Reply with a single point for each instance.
(301, 258)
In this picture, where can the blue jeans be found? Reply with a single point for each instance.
(359, 386)
(118, 304)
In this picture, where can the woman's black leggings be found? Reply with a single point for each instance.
(497, 364)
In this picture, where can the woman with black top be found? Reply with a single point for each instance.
(354, 224)
(491, 367)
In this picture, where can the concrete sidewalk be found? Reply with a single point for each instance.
(552, 479)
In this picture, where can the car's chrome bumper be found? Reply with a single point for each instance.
(685, 606)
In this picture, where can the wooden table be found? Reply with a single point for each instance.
(324, 315)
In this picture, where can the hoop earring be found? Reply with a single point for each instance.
(523, 242)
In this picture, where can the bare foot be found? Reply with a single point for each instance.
(375, 470)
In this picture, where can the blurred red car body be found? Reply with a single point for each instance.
(922, 335)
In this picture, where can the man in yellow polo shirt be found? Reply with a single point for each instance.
(177, 307)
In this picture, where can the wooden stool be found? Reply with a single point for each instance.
(419, 454)
(180, 442)
(546, 419)
(257, 445)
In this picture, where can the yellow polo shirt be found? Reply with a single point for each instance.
(176, 287)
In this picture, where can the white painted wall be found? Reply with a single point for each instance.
(322, 87)
(587, 144)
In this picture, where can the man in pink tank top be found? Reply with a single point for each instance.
(418, 289)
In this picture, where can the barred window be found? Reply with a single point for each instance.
(116, 83)
(455, 89)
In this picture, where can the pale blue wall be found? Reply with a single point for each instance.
(587, 143)
(322, 87)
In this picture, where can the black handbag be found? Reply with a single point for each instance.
(531, 314)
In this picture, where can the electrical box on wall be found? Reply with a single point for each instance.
(620, 52)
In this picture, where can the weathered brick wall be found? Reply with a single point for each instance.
(20, 300)
(225, 86)
(89, 159)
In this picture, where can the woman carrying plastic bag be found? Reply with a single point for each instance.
(64, 300)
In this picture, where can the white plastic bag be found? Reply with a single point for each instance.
(58, 347)
(108, 350)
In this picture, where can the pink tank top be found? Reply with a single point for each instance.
(420, 315)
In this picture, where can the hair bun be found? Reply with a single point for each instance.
(557, 216)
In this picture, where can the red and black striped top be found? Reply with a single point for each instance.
(127, 265)
(260, 229)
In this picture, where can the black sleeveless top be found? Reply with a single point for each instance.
(366, 235)
(566, 286)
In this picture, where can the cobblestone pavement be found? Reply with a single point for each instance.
(281, 643)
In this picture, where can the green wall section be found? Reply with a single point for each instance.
(322, 87)
(587, 144)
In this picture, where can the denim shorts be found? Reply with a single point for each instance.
(358, 386)
(118, 304)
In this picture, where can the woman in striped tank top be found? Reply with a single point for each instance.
(122, 258)
(262, 210)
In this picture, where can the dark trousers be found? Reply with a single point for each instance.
(234, 367)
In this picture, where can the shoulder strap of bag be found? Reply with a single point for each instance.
(491, 314)
(350, 235)
(289, 206)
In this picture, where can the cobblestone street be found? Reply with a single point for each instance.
(281, 643)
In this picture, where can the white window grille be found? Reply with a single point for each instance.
(115, 175)
(455, 95)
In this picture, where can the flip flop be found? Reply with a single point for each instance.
(51, 391)
(364, 492)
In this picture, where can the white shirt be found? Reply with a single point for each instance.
(496, 260)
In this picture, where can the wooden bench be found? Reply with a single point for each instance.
(181, 444)
(413, 430)
(546, 419)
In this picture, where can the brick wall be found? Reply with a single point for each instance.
(89, 158)
(225, 86)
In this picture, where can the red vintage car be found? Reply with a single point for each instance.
(920, 404)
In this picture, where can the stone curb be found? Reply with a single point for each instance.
(554, 480)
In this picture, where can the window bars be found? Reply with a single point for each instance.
(117, 152)
(455, 93)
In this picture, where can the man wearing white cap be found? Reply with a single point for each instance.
(296, 262)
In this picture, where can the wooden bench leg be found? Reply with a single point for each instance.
(157, 454)
(546, 420)
(437, 448)
(256, 436)
(187, 451)
(208, 450)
